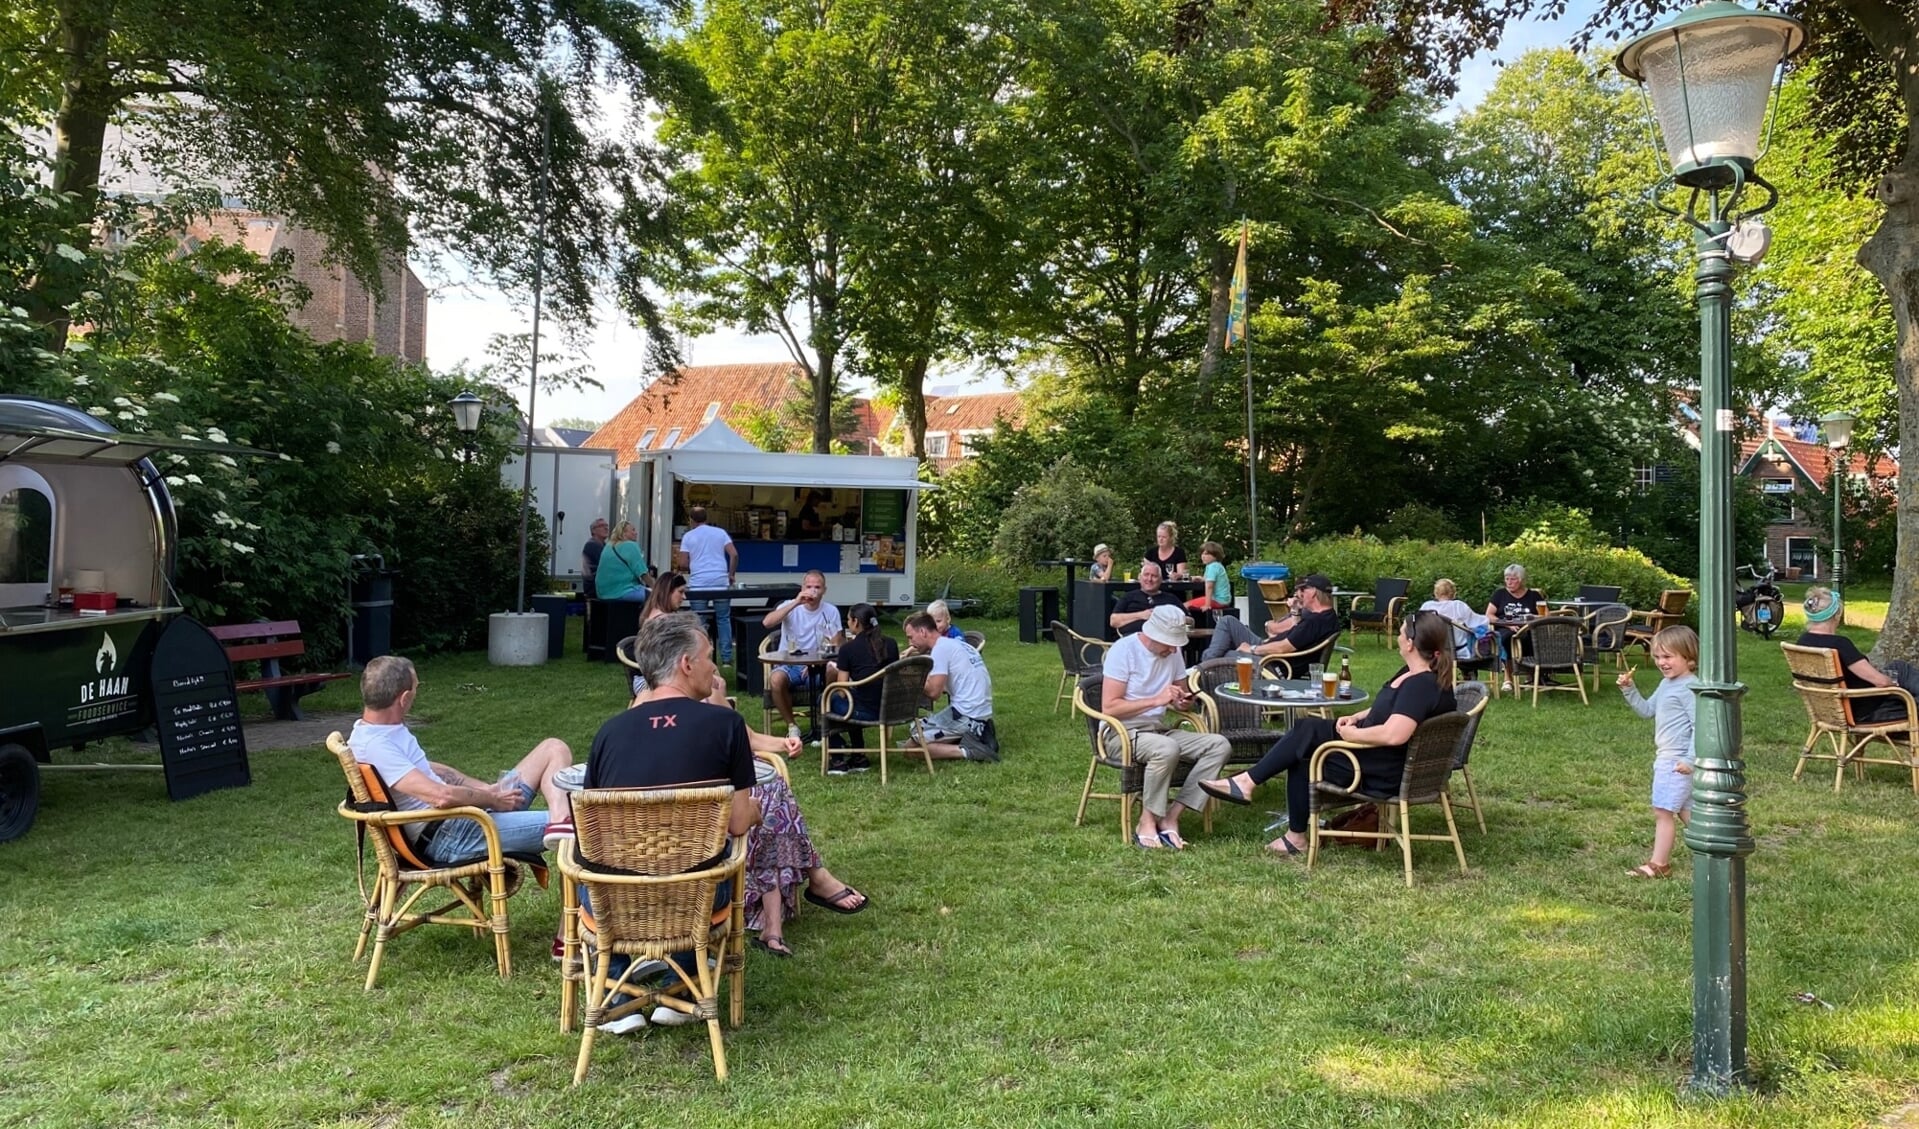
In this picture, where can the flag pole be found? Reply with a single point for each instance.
(1252, 453)
(1238, 330)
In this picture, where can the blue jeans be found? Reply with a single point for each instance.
(521, 832)
(722, 611)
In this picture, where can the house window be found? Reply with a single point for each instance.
(26, 536)
(712, 413)
(967, 439)
(672, 439)
(1778, 495)
(936, 444)
(646, 440)
(1643, 478)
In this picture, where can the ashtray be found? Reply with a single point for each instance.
(1295, 695)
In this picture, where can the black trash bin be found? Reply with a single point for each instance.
(554, 606)
(370, 634)
(1038, 608)
(749, 628)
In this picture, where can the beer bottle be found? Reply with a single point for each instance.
(1345, 677)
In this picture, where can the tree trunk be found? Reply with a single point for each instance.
(79, 139)
(1892, 255)
(1220, 272)
(913, 403)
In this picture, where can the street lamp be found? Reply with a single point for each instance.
(466, 409)
(1838, 429)
(1710, 73)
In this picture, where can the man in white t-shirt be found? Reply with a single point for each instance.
(711, 562)
(1144, 674)
(964, 729)
(807, 623)
(381, 739)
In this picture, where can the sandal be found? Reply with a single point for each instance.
(775, 946)
(1224, 790)
(1651, 870)
(837, 902)
(1145, 844)
(1286, 850)
(1172, 839)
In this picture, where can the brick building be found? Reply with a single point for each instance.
(1792, 472)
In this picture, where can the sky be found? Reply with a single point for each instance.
(464, 315)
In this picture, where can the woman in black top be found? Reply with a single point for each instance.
(1513, 600)
(1421, 689)
(1166, 552)
(867, 653)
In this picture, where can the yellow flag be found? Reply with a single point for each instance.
(1236, 316)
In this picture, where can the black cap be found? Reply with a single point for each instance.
(1317, 580)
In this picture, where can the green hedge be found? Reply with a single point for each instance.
(1557, 570)
(994, 586)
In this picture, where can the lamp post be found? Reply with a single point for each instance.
(1838, 429)
(466, 408)
(1710, 73)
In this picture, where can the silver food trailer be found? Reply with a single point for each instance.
(87, 544)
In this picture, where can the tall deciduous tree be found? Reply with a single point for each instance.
(370, 121)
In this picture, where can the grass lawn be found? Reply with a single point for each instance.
(190, 964)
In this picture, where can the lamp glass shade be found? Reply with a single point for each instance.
(466, 411)
(1710, 76)
(1838, 428)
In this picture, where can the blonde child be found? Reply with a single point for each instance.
(1675, 651)
(1219, 588)
(1102, 563)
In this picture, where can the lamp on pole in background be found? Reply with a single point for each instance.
(466, 408)
(1711, 74)
(1838, 429)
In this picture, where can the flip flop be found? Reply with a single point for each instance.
(776, 947)
(1230, 792)
(1140, 842)
(1172, 839)
(1287, 851)
(836, 903)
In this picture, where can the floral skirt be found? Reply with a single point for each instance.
(779, 853)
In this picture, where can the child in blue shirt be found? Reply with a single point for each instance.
(1675, 651)
(1219, 587)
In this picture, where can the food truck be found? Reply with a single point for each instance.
(853, 517)
(87, 544)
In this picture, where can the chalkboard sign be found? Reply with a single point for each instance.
(202, 746)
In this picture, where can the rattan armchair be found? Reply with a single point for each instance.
(1382, 609)
(652, 861)
(1079, 656)
(902, 691)
(974, 639)
(1429, 768)
(1606, 635)
(1646, 624)
(1469, 669)
(1294, 664)
(1112, 747)
(402, 876)
(1243, 724)
(1471, 699)
(1551, 645)
(1821, 685)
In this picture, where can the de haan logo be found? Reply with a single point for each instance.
(105, 661)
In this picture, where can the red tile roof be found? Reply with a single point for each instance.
(681, 399)
(1815, 459)
(954, 415)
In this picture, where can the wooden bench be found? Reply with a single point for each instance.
(267, 644)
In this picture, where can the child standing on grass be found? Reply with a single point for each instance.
(1219, 587)
(1675, 651)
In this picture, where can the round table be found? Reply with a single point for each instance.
(1270, 694)
(814, 686)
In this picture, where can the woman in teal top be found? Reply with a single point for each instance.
(622, 571)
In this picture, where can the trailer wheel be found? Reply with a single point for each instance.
(19, 791)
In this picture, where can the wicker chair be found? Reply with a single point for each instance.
(1294, 664)
(479, 886)
(1645, 625)
(1471, 698)
(1821, 684)
(1470, 669)
(974, 639)
(1079, 656)
(1429, 768)
(1551, 645)
(1087, 698)
(902, 690)
(1606, 635)
(1383, 607)
(652, 883)
(1241, 723)
(804, 700)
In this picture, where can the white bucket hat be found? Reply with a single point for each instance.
(1167, 625)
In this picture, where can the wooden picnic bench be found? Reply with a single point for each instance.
(267, 644)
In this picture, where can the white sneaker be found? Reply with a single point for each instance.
(623, 1024)
(793, 732)
(664, 1016)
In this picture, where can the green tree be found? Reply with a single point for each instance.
(370, 121)
(1061, 513)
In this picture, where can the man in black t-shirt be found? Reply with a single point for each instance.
(1824, 612)
(1131, 611)
(1309, 625)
